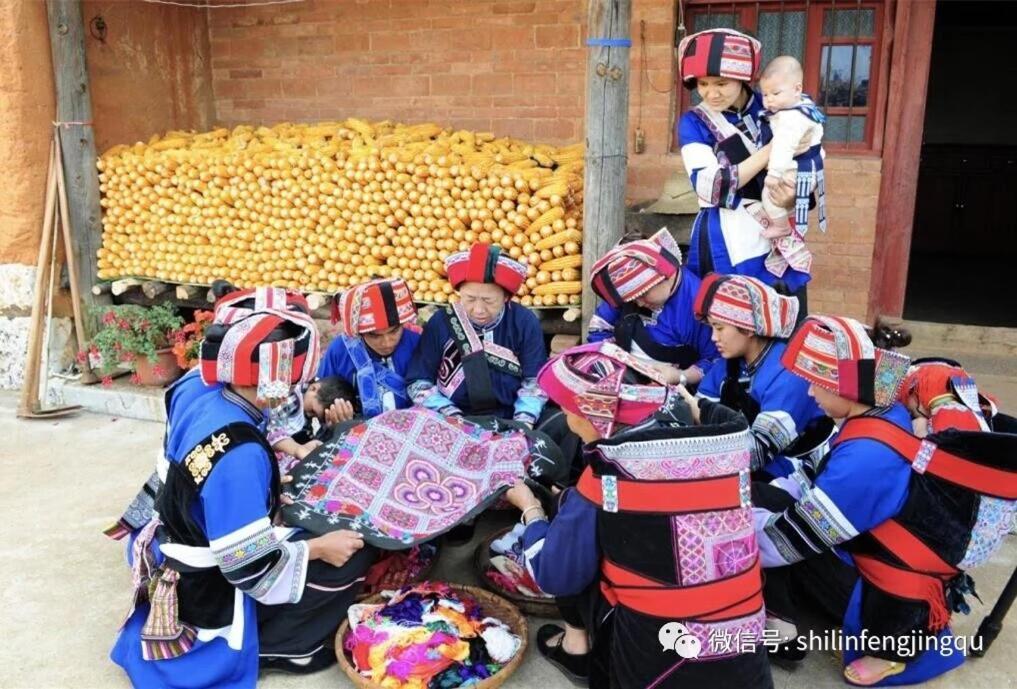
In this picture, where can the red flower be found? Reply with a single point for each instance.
(135, 378)
(109, 318)
(144, 325)
(123, 324)
(158, 371)
(82, 357)
(107, 381)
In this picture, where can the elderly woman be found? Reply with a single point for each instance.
(481, 356)
(726, 167)
(750, 324)
(647, 308)
(629, 544)
(871, 504)
(376, 345)
(220, 591)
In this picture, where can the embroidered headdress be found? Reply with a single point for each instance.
(589, 381)
(630, 270)
(485, 263)
(746, 303)
(268, 348)
(237, 304)
(836, 353)
(931, 379)
(718, 53)
(376, 305)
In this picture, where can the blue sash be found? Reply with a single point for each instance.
(374, 379)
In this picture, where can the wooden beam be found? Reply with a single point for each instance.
(898, 186)
(120, 286)
(77, 140)
(187, 292)
(153, 289)
(607, 125)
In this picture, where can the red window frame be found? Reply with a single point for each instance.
(748, 16)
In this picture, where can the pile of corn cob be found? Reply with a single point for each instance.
(322, 207)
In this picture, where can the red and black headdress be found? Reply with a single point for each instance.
(485, 263)
(375, 306)
(718, 53)
(270, 348)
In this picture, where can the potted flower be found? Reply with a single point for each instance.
(187, 340)
(138, 336)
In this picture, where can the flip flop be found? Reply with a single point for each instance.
(853, 676)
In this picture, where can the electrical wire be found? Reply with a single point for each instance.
(209, 6)
(644, 70)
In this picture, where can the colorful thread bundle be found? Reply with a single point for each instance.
(428, 636)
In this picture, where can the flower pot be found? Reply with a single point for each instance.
(161, 372)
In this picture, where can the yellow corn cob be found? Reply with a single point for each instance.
(570, 287)
(543, 159)
(361, 127)
(546, 218)
(560, 263)
(557, 187)
(559, 238)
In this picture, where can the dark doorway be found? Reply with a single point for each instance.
(963, 260)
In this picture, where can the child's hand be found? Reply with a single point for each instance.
(341, 410)
(306, 449)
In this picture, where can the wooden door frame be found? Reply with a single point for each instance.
(911, 53)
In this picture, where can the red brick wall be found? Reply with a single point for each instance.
(510, 67)
(513, 67)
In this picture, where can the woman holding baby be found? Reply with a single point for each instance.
(720, 147)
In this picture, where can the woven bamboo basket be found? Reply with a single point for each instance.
(538, 607)
(493, 606)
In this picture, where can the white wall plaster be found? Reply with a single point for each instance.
(17, 281)
(14, 346)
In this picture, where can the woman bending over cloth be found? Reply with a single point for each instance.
(481, 355)
(647, 308)
(750, 324)
(656, 541)
(375, 346)
(219, 591)
(872, 501)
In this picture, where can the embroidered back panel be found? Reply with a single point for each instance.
(706, 546)
(404, 477)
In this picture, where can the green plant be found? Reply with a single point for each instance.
(127, 332)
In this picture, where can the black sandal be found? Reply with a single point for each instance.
(321, 659)
(575, 667)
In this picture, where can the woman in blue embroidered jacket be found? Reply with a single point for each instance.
(627, 544)
(647, 308)
(217, 585)
(481, 356)
(864, 498)
(750, 324)
(375, 346)
(719, 149)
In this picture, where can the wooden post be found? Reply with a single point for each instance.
(74, 113)
(902, 150)
(607, 126)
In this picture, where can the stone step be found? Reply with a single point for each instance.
(120, 398)
(944, 338)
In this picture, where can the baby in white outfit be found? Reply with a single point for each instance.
(795, 122)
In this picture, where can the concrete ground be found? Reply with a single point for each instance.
(64, 587)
